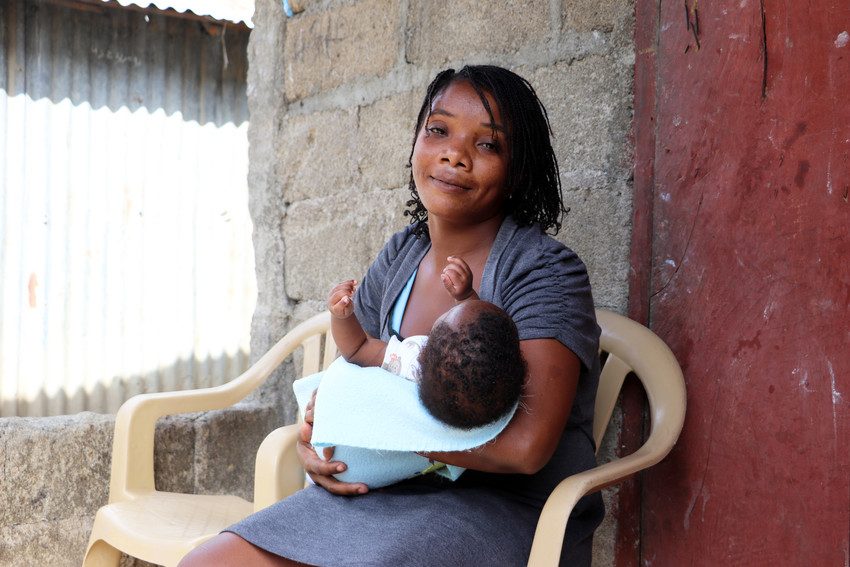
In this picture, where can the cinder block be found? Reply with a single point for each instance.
(384, 140)
(588, 103)
(598, 228)
(327, 49)
(265, 86)
(272, 302)
(265, 44)
(226, 443)
(597, 15)
(59, 543)
(174, 445)
(306, 309)
(316, 158)
(269, 324)
(335, 238)
(54, 468)
(267, 329)
(440, 31)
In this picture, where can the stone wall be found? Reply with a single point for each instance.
(55, 473)
(333, 94)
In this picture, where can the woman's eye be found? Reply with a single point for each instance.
(490, 146)
(436, 130)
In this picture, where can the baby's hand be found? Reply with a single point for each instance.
(340, 300)
(457, 277)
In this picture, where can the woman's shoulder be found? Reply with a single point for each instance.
(395, 252)
(529, 247)
(545, 288)
(402, 241)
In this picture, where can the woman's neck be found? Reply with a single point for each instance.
(463, 240)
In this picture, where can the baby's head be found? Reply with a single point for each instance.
(471, 368)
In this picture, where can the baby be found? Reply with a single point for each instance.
(469, 369)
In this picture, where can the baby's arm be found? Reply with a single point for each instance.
(352, 341)
(457, 277)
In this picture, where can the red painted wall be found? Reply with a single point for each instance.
(743, 138)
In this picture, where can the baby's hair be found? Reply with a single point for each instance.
(533, 179)
(474, 375)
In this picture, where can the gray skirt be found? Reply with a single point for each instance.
(426, 521)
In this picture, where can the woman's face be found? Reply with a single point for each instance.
(460, 159)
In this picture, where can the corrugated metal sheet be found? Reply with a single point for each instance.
(230, 10)
(126, 262)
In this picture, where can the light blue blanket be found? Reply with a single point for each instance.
(377, 424)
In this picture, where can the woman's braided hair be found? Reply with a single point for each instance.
(533, 180)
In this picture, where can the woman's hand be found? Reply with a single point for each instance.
(318, 469)
(340, 302)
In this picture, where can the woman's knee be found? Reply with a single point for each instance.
(229, 549)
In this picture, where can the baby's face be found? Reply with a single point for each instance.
(464, 313)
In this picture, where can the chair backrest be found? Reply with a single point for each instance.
(319, 350)
(631, 347)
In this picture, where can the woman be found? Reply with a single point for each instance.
(485, 187)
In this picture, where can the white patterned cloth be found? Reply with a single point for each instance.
(402, 357)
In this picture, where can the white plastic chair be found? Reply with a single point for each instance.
(162, 527)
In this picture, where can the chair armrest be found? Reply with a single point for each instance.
(135, 427)
(549, 536)
(277, 472)
(132, 444)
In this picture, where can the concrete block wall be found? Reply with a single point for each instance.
(333, 94)
(55, 473)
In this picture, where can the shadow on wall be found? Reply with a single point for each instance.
(112, 57)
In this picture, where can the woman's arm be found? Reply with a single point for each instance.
(531, 437)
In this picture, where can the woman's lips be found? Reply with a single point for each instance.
(451, 186)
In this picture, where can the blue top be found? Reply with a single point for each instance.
(399, 306)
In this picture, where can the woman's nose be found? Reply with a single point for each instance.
(455, 155)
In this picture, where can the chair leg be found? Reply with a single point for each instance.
(101, 554)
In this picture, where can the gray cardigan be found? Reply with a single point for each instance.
(528, 274)
(544, 287)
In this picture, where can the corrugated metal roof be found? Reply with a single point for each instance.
(126, 262)
(230, 10)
